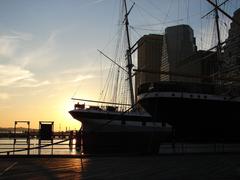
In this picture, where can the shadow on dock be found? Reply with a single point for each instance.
(214, 167)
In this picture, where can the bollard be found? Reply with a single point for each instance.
(71, 139)
(78, 141)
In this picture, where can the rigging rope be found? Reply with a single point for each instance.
(147, 12)
(114, 84)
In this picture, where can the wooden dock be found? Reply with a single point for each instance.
(164, 167)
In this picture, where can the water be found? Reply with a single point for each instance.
(58, 149)
(63, 148)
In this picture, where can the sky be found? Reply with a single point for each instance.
(48, 50)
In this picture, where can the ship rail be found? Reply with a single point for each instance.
(100, 107)
(190, 87)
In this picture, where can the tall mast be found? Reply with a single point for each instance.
(219, 46)
(129, 56)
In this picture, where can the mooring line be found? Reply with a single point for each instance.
(8, 168)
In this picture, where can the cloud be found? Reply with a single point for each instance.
(41, 56)
(82, 77)
(31, 84)
(4, 96)
(16, 76)
(7, 46)
(10, 74)
(9, 42)
(21, 49)
(86, 69)
(71, 78)
(76, 75)
(20, 36)
(95, 2)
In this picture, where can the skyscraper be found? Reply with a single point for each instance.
(231, 67)
(149, 57)
(179, 43)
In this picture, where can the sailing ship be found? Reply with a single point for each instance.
(199, 107)
(110, 129)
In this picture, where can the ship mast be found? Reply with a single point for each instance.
(128, 54)
(219, 46)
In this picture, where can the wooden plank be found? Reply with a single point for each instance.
(148, 167)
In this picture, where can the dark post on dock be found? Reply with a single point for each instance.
(45, 133)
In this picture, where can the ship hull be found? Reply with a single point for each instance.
(195, 116)
(119, 134)
(121, 142)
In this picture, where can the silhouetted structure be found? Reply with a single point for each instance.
(45, 133)
(46, 130)
(149, 57)
(201, 64)
(110, 129)
(203, 107)
(178, 44)
(231, 65)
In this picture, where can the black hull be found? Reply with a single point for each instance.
(112, 133)
(197, 119)
(122, 142)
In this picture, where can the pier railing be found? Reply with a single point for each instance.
(69, 148)
(67, 145)
(30, 143)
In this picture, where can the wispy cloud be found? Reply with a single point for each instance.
(32, 84)
(9, 42)
(86, 69)
(41, 56)
(81, 78)
(10, 74)
(16, 76)
(76, 75)
(17, 36)
(7, 46)
(4, 96)
(20, 35)
(95, 2)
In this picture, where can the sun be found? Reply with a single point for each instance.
(68, 105)
(65, 118)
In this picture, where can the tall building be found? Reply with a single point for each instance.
(176, 54)
(178, 44)
(231, 67)
(198, 67)
(149, 57)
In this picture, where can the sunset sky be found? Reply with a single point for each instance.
(48, 50)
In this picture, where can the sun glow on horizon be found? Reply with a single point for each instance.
(65, 120)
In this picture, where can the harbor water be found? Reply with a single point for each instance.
(57, 148)
(63, 147)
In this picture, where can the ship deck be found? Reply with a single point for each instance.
(188, 166)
